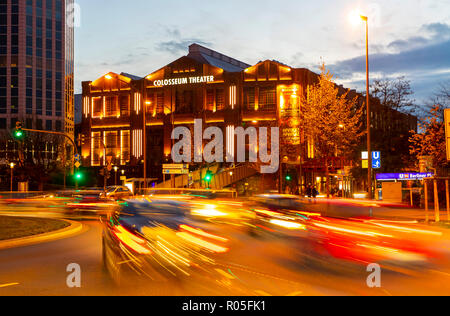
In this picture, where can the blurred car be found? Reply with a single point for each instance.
(117, 192)
(155, 240)
(392, 244)
(280, 215)
(88, 201)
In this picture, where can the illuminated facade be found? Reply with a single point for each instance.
(205, 84)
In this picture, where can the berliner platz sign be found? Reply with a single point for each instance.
(183, 81)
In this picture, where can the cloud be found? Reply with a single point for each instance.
(423, 59)
(177, 47)
(179, 44)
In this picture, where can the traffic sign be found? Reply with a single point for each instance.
(176, 166)
(77, 164)
(175, 171)
(77, 157)
(376, 160)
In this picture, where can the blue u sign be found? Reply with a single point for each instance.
(376, 160)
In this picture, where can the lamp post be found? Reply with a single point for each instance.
(358, 17)
(116, 169)
(12, 165)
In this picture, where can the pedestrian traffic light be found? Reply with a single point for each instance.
(18, 132)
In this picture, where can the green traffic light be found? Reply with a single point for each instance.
(78, 176)
(288, 178)
(208, 176)
(18, 134)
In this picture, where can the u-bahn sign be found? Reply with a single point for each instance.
(447, 131)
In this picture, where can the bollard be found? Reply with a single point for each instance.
(437, 212)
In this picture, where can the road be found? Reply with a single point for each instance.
(254, 267)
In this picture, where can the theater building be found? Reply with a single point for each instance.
(205, 84)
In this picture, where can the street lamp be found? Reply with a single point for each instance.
(357, 17)
(12, 165)
(115, 169)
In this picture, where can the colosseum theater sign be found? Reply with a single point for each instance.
(182, 81)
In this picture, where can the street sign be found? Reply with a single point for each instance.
(176, 166)
(77, 157)
(447, 131)
(410, 176)
(77, 165)
(376, 160)
(175, 171)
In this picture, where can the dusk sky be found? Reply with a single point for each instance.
(408, 38)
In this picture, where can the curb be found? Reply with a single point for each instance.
(74, 228)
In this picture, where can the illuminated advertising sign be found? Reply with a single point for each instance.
(183, 81)
(447, 131)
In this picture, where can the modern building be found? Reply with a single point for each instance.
(121, 110)
(36, 67)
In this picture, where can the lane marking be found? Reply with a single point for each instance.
(7, 285)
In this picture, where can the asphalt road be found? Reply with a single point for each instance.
(253, 267)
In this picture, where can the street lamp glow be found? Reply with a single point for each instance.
(356, 17)
(12, 165)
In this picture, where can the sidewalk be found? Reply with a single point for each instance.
(376, 209)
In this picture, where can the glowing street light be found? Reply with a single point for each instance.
(357, 17)
(12, 165)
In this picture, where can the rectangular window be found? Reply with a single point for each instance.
(112, 106)
(249, 99)
(124, 105)
(220, 99)
(124, 147)
(96, 148)
(267, 99)
(97, 107)
(112, 144)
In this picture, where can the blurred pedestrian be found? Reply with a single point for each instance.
(314, 193)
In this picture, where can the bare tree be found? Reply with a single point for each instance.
(395, 94)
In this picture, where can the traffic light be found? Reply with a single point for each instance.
(18, 132)
(288, 178)
(208, 176)
(78, 176)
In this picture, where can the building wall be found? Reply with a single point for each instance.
(36, 65)
(172, 98)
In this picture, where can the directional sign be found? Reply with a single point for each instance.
(175, 171)
(77, 157)
(404, 176)
(176, 166)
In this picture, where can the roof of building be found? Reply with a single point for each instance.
(133, 77)
(216, 59)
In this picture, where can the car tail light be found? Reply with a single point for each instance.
(131, 241)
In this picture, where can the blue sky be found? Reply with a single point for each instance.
(408, 38)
